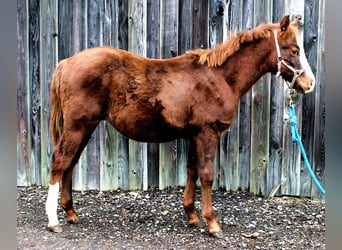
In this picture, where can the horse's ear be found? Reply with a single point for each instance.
(284, 24)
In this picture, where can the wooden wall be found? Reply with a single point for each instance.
(256, 153)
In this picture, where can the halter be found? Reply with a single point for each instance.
(296, 73)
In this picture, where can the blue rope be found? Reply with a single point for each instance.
(296, 138)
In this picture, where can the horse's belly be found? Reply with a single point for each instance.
(152, 133)
(147, 128)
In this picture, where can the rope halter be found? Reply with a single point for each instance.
(296, 73)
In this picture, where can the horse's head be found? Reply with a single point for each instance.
(292, 64)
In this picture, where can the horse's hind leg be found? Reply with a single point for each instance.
(64, 158)
(190, 186)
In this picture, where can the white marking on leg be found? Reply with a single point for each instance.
(51, 204)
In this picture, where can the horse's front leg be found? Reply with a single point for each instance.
(206, 144)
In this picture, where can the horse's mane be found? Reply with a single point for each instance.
(217, 56)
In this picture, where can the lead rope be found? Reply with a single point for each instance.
(297, 139)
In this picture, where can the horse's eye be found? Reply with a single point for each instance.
(295, 52)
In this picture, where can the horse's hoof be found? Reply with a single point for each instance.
(55, 229)
(75, 220)
(217, 234)
(197, 224)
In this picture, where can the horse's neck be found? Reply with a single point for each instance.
(252, 61)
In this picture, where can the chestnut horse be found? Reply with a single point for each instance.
(193, 96)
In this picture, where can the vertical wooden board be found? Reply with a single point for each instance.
(123, 24)
(95, 10)
(34, 94)
(137, 27)
(308, 130)
(48, 53)
(123, 159)
(277, 107)
(73, 39)
(109, 147)
(260, 136)
(290, 175)
(169, 28)
(229, 157)
(153, 29)
(184, 44)
(200, 16)
(182, 158)
(137, 44)
(167, 165)
(223, 163)
(232, 18)
(109, 143)
(185, 26)
(319, 134)
(168, 48)
(276, 134)
(260, 116)
(153, 51)
(229, 150)
(92, 154)
(122, 38)
(291, 165)
(23, 146)
(110, 19)
(65, 30)
(216, 13)
(78, 24)
(244, 110)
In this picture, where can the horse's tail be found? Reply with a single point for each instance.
(56, 115)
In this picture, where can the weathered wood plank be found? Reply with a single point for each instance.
(185, 26)
(314, 107)
(244, 110)
(260, 116)
(109, 141)
(109, 147)
(309, 116)
(153, 51)
(72, 23)
(48, 61)
(34, 94)
(137, 44)
(277, 107)
(23, 146)
(200, 15)
(216, 13)
(291, 166)
(229, 146)
(319, 142)
(123, 170)
(65, 15)
(184, 44)
(168, 48)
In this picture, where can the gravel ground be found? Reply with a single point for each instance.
(155, 219)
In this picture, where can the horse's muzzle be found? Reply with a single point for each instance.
(304, 84)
